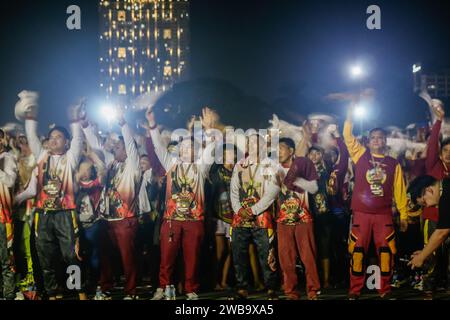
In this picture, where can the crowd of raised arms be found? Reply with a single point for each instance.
(305, 215)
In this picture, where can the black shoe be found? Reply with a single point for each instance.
(272, 295)
(240, 295)
(353, 296)
(428, 295)
(388, 296)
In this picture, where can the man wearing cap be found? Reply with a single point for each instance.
(378, 182)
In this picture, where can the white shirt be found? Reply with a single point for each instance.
(266, 174)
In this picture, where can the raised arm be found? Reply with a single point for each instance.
(166, 160)
(355, 149)
(76, 145)
(145, 205)
(94, 142)
(33, 139)
(301, 149)
(433, 143)
(130, 146)
(157, 168)
(210, 120)
(99, 165)
(342, 165)
(207, 157)
(433, 147)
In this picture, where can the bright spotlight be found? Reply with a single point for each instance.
(360, 112)
(356, 71)
(109, 113)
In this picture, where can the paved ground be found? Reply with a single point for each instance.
(145, 293)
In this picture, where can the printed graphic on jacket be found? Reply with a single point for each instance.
(121, 196)
(249, 194)
(221, 179)
(185, 197)
(293, 207)
(55, 184)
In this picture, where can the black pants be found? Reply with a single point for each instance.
(323, 226)
(241, 239)
(144, 246)
(338, 255)
(56, 230)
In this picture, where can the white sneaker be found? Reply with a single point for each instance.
(192, 296)
(419, 285)
(170, 292)
(131, 297)
(159, 294)
(19, 296)
(102, 296)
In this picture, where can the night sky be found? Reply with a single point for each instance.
(282, 53)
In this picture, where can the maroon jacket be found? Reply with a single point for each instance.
(434, 166)
(363, 200)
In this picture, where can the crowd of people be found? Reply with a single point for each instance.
(316, 208)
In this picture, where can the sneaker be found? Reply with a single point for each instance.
(159, 294)
(240, 295)
(353, 296)
(387, 296)
(131, 297)
(173, 292)
(292, 296)
(19, 296)
(191, 296)
(170, 293)
(99, 295)
(428, 295)
(419, 285)
(313, 296)
(272, 295)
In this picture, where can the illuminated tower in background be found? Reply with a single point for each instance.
(144, 46)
